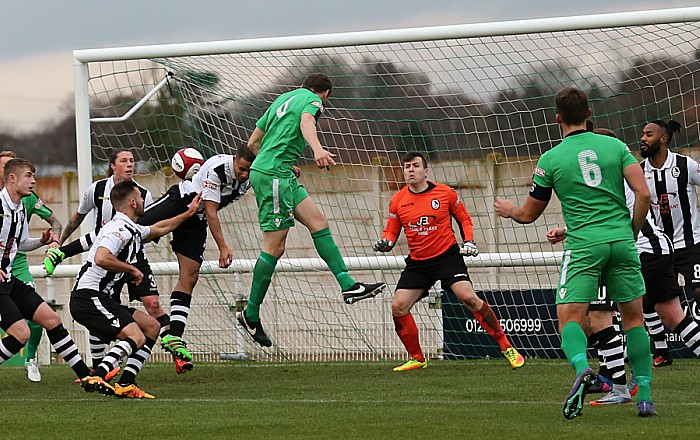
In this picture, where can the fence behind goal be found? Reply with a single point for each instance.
(476, 99)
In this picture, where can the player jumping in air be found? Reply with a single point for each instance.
(424, 210)
(278, 140)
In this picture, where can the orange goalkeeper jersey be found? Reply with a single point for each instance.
(427, 220)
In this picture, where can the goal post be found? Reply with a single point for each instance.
(477, 99)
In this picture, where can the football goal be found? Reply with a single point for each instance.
(476, 99)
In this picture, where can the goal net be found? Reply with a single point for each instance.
(476, 99)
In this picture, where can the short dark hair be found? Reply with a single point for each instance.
(605, 132)
(245, 153)
(318, 83)
(671, 127)
(14, 166)
(412, 155)
(113, 159)
(121, 192)
(572, 105)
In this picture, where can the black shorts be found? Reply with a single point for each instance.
(448, 267)
(147, 286)
(18, 301)
(686, 262)
(660, 278)
(603, 303)
(99, 313)
(190, 238)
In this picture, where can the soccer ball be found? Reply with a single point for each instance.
(186, 162)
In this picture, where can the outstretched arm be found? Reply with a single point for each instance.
(168, 225)
(211, 209)
(75, 220)
(528, 213)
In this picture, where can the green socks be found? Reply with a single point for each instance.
(640, 358)
(328, 250)
(35, 332)
(574, 343)
(262, 277)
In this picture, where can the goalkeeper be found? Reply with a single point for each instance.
(424, 210)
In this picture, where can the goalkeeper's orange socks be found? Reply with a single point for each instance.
(262, 277)
(489, 322)
(329, 252)
(408, 333)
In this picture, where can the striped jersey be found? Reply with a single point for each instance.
(123, 238)
(674, 199)
(216, 181)
(97, 197)
(13, 230)
(651, 239)
(426, 218)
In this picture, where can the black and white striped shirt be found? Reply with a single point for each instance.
(123, 238)
(651, 239)
(216, 181)
(673, 198)
(13, 230)
(97, 197)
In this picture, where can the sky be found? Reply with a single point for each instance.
(36, 73)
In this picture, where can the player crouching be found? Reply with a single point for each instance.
(424, 210)
(94, 301)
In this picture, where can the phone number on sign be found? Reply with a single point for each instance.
(509, 325)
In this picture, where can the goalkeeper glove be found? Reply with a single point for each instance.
(383, 245)
(469, 249)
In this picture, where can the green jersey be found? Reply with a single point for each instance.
(585, 171)
(283, 142)
(34, 205)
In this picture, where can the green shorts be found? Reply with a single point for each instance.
(615, 265)
(276, 198)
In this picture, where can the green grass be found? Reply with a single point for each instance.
(451, 399)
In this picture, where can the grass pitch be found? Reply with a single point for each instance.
(348, 400)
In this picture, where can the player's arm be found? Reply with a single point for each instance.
(32, 243)
(528, 213)
(74, 223)
(323, 157)
(642, 200)
(166, 226)
(555, 235)
(466, 226)
(106, 260)
(256, 140)
(211, 210)
(45, 213)
(87, 204)
(391, 231)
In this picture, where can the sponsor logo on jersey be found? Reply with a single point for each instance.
(115, 322)
(210, 185)
(562, 292)
(407, 205)
(103, 197)
(539, 171)
(278, 222)
(39, 204)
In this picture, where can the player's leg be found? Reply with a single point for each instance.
(578, 286)
(126, 385)
(663, 295)
(626, 286)
(657, 334)
(16, 329)
(308, 213)
(612, 354)
(55, 255)
(415, 281)
(31, 363)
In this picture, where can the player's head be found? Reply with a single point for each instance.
(242, 163)
(605, 132)
(5, 156)
(121, 165)
(318, 83)
(126, 196)
(19, 176)
(572, 106)
(656, 135)
(415, 168)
